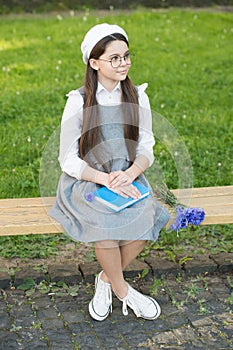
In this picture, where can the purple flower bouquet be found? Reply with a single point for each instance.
(185, 216)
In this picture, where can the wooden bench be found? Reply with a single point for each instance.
(30, 215)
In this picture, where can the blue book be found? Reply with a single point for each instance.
(117, 202)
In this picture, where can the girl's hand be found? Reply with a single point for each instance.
(119, 178)
(127, 191)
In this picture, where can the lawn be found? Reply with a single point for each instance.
(186, 56)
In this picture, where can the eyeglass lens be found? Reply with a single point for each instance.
(116, 60)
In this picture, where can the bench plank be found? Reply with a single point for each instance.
(20, 216)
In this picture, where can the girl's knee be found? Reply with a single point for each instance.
(107, 244)
(138, 243)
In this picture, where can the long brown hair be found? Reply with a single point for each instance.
(91, 129)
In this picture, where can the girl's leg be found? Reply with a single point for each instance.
(108, 254)
(114, 259)
(129, 251)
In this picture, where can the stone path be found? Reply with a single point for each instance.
(50, 310)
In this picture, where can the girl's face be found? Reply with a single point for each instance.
(107, 75)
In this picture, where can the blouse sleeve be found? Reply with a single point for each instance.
(71, 127)
(146, 137)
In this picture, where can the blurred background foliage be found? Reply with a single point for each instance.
(42, 6)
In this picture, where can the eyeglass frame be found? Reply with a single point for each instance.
(121, 58)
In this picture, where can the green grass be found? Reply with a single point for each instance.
(186, 56)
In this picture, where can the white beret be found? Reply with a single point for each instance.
(95, 34)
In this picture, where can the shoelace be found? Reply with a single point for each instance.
(126, 302)
(109, 297)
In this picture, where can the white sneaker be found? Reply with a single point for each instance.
(142, 305)
(101, 305)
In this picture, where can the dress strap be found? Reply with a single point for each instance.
(81, 91)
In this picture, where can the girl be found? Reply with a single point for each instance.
(106, 140)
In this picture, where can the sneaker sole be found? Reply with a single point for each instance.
(96, 316)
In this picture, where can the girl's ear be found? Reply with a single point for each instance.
(94, 64)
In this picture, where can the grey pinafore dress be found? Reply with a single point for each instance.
(86, 221)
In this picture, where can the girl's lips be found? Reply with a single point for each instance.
(123, 72)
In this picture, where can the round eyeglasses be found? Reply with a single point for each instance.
(117, 60)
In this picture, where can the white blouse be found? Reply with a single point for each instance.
(71, 127)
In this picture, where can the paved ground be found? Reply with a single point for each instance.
(195, 296)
